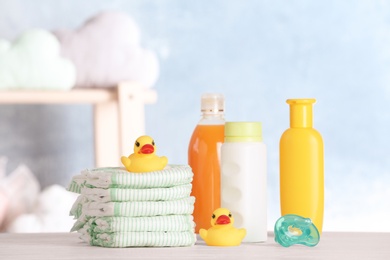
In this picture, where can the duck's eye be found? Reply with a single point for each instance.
(153, 143)
(137, 143)
(213, 216)
(230, 215)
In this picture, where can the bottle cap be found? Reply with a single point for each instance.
(301, 114)
(212, 103)
(243, 132)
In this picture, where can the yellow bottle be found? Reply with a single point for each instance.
(302, 165)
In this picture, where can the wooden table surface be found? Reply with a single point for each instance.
(63, 246)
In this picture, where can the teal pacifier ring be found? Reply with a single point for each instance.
(293, 229)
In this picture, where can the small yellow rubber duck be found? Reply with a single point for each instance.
(222, 232)
(144, 158)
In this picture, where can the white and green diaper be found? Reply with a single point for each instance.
(116, 177)
(155, 231)
(151, 194)
(141, 239)
(141, 224)
(133, 208)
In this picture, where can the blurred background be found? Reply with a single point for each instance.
(258, 54)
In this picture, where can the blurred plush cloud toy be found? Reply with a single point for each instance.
(106, 50)
(33, 61)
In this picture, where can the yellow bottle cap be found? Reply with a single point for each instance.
(301, 114)
(243, 132)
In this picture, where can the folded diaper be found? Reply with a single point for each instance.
(156, 194)
(116, 177)
(134, 209)
(147, 239)
(138, 224)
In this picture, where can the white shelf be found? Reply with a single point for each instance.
(74, 96)
(119, 114)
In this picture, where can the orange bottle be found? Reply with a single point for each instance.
(204, 153)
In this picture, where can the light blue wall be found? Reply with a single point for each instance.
(258, 54)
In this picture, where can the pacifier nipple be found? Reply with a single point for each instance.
(293, 231)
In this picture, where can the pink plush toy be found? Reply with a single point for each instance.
(18, 193)
(3, 207)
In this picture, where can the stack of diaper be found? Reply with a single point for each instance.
(117, 208)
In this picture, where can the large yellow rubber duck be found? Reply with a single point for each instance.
(144, 158)
(222, 232)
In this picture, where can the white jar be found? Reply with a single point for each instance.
(244, 178)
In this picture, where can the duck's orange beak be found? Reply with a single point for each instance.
(147, 149)
(223, 220)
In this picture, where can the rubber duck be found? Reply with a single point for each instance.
(222, 231)
(144, 158)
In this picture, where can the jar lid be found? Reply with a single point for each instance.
(243, 132)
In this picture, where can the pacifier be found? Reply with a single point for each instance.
(293, 229)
